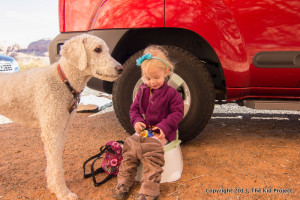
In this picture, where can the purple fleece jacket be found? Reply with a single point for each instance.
(165, 109)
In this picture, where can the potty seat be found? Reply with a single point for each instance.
(173, 163)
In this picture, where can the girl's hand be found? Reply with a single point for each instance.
(161, 136)
(161, 133)
(139, 126)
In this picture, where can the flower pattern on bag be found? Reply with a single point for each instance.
(113, 158)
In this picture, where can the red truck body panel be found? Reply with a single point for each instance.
(236, 30)
(106, 14)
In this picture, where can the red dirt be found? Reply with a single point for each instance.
(231, 159)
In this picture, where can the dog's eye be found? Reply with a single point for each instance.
(98, 50)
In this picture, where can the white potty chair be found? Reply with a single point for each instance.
(173, 163)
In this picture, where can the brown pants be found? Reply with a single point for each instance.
(150, 152)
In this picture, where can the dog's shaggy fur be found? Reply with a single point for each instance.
(39, 98)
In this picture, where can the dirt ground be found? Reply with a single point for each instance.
(234, 158)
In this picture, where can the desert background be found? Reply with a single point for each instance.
(33, 56)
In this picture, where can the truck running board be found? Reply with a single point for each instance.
(272, 105)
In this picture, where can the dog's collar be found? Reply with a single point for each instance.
(75, 93)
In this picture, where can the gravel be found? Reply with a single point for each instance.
(220, 111)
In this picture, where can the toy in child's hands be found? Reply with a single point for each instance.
(147, 133)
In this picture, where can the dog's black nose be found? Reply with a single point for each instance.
(120, 69)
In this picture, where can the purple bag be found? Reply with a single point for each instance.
(110, 164)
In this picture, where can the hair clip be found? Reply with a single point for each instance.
(148, 56)
(141, 59)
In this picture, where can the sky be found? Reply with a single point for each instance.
(25, 21)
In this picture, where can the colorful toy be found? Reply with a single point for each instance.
(146, 133)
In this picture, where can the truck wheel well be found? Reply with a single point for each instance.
(135, 40)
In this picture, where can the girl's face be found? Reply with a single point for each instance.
(154, 76)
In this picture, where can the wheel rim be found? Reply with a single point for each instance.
(176, 82)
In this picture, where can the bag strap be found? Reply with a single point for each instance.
(95, 173)
(120, 141)
(102, 151)
(99, 170)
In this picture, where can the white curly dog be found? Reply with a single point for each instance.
(47, 98)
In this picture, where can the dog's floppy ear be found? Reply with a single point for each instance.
(74, 52)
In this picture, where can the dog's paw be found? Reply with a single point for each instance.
(69, 196)
(72, 196)
(51, 188)
(66, 195)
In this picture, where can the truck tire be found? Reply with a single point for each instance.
(190, 78)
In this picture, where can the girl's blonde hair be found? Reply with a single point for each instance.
(159, 52)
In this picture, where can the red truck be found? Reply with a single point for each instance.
(246, 52)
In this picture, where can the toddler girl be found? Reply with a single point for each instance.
(157, 107)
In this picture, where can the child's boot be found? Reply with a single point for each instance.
(121, 192)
